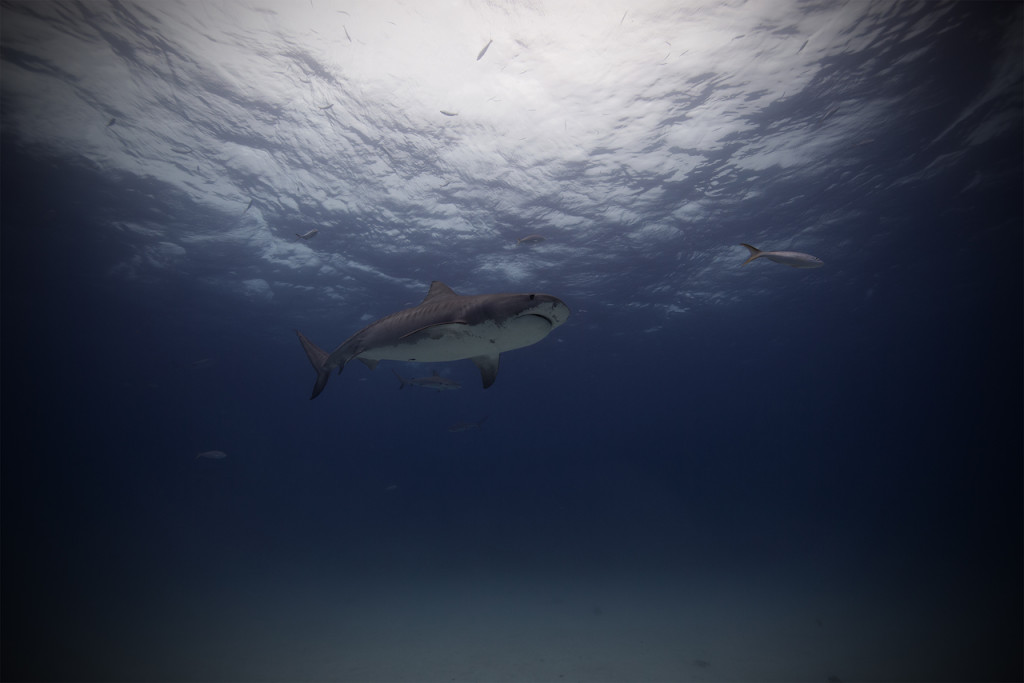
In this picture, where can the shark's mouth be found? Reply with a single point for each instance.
(546, 319)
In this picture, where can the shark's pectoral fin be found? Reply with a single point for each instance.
(427, 327)
(488, 368)
(372, 364)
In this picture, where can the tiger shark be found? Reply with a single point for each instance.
(445, 326)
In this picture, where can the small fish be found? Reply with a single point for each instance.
(794, 259)
(434, 381)
(449, 113)
(249, 206)
(111, 122)
(530, 239)
(182, 150)
(309, 235)
(212, 455)
(346, 33)
(467, 426)
(484, 51)
(326, 106)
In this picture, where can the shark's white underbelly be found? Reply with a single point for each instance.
(456, 341)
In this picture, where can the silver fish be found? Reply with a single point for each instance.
(484, 51)
(212, 455)
(793, 259)
(530, 239)
(467, 426)
(435, 381)
(309, 235)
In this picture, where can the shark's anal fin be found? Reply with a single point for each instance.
(372, 364)
(317, 358)
(488, 368)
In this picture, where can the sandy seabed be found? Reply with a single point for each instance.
(532, 627)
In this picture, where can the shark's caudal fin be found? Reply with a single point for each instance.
(317, 358)
(754, 252)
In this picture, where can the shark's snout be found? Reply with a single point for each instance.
(549, 308)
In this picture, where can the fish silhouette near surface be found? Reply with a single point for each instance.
(308, 235)
(445, 326)
(484, 51)
(793, 259)
(435, 381)
(530, 239)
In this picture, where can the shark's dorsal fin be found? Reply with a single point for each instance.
(438, 290)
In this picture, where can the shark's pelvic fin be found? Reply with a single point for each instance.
(317, 358)
(754, 252)
(488, 368)
(372, 364)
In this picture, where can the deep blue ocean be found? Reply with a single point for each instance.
(711, 471)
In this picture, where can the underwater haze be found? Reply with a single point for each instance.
(711, 471)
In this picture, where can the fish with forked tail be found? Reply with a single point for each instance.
(793, 259)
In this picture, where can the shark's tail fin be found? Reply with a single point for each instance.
(317, 358)
(754, 252)
(401, 380)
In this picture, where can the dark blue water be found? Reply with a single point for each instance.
(805, 474)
